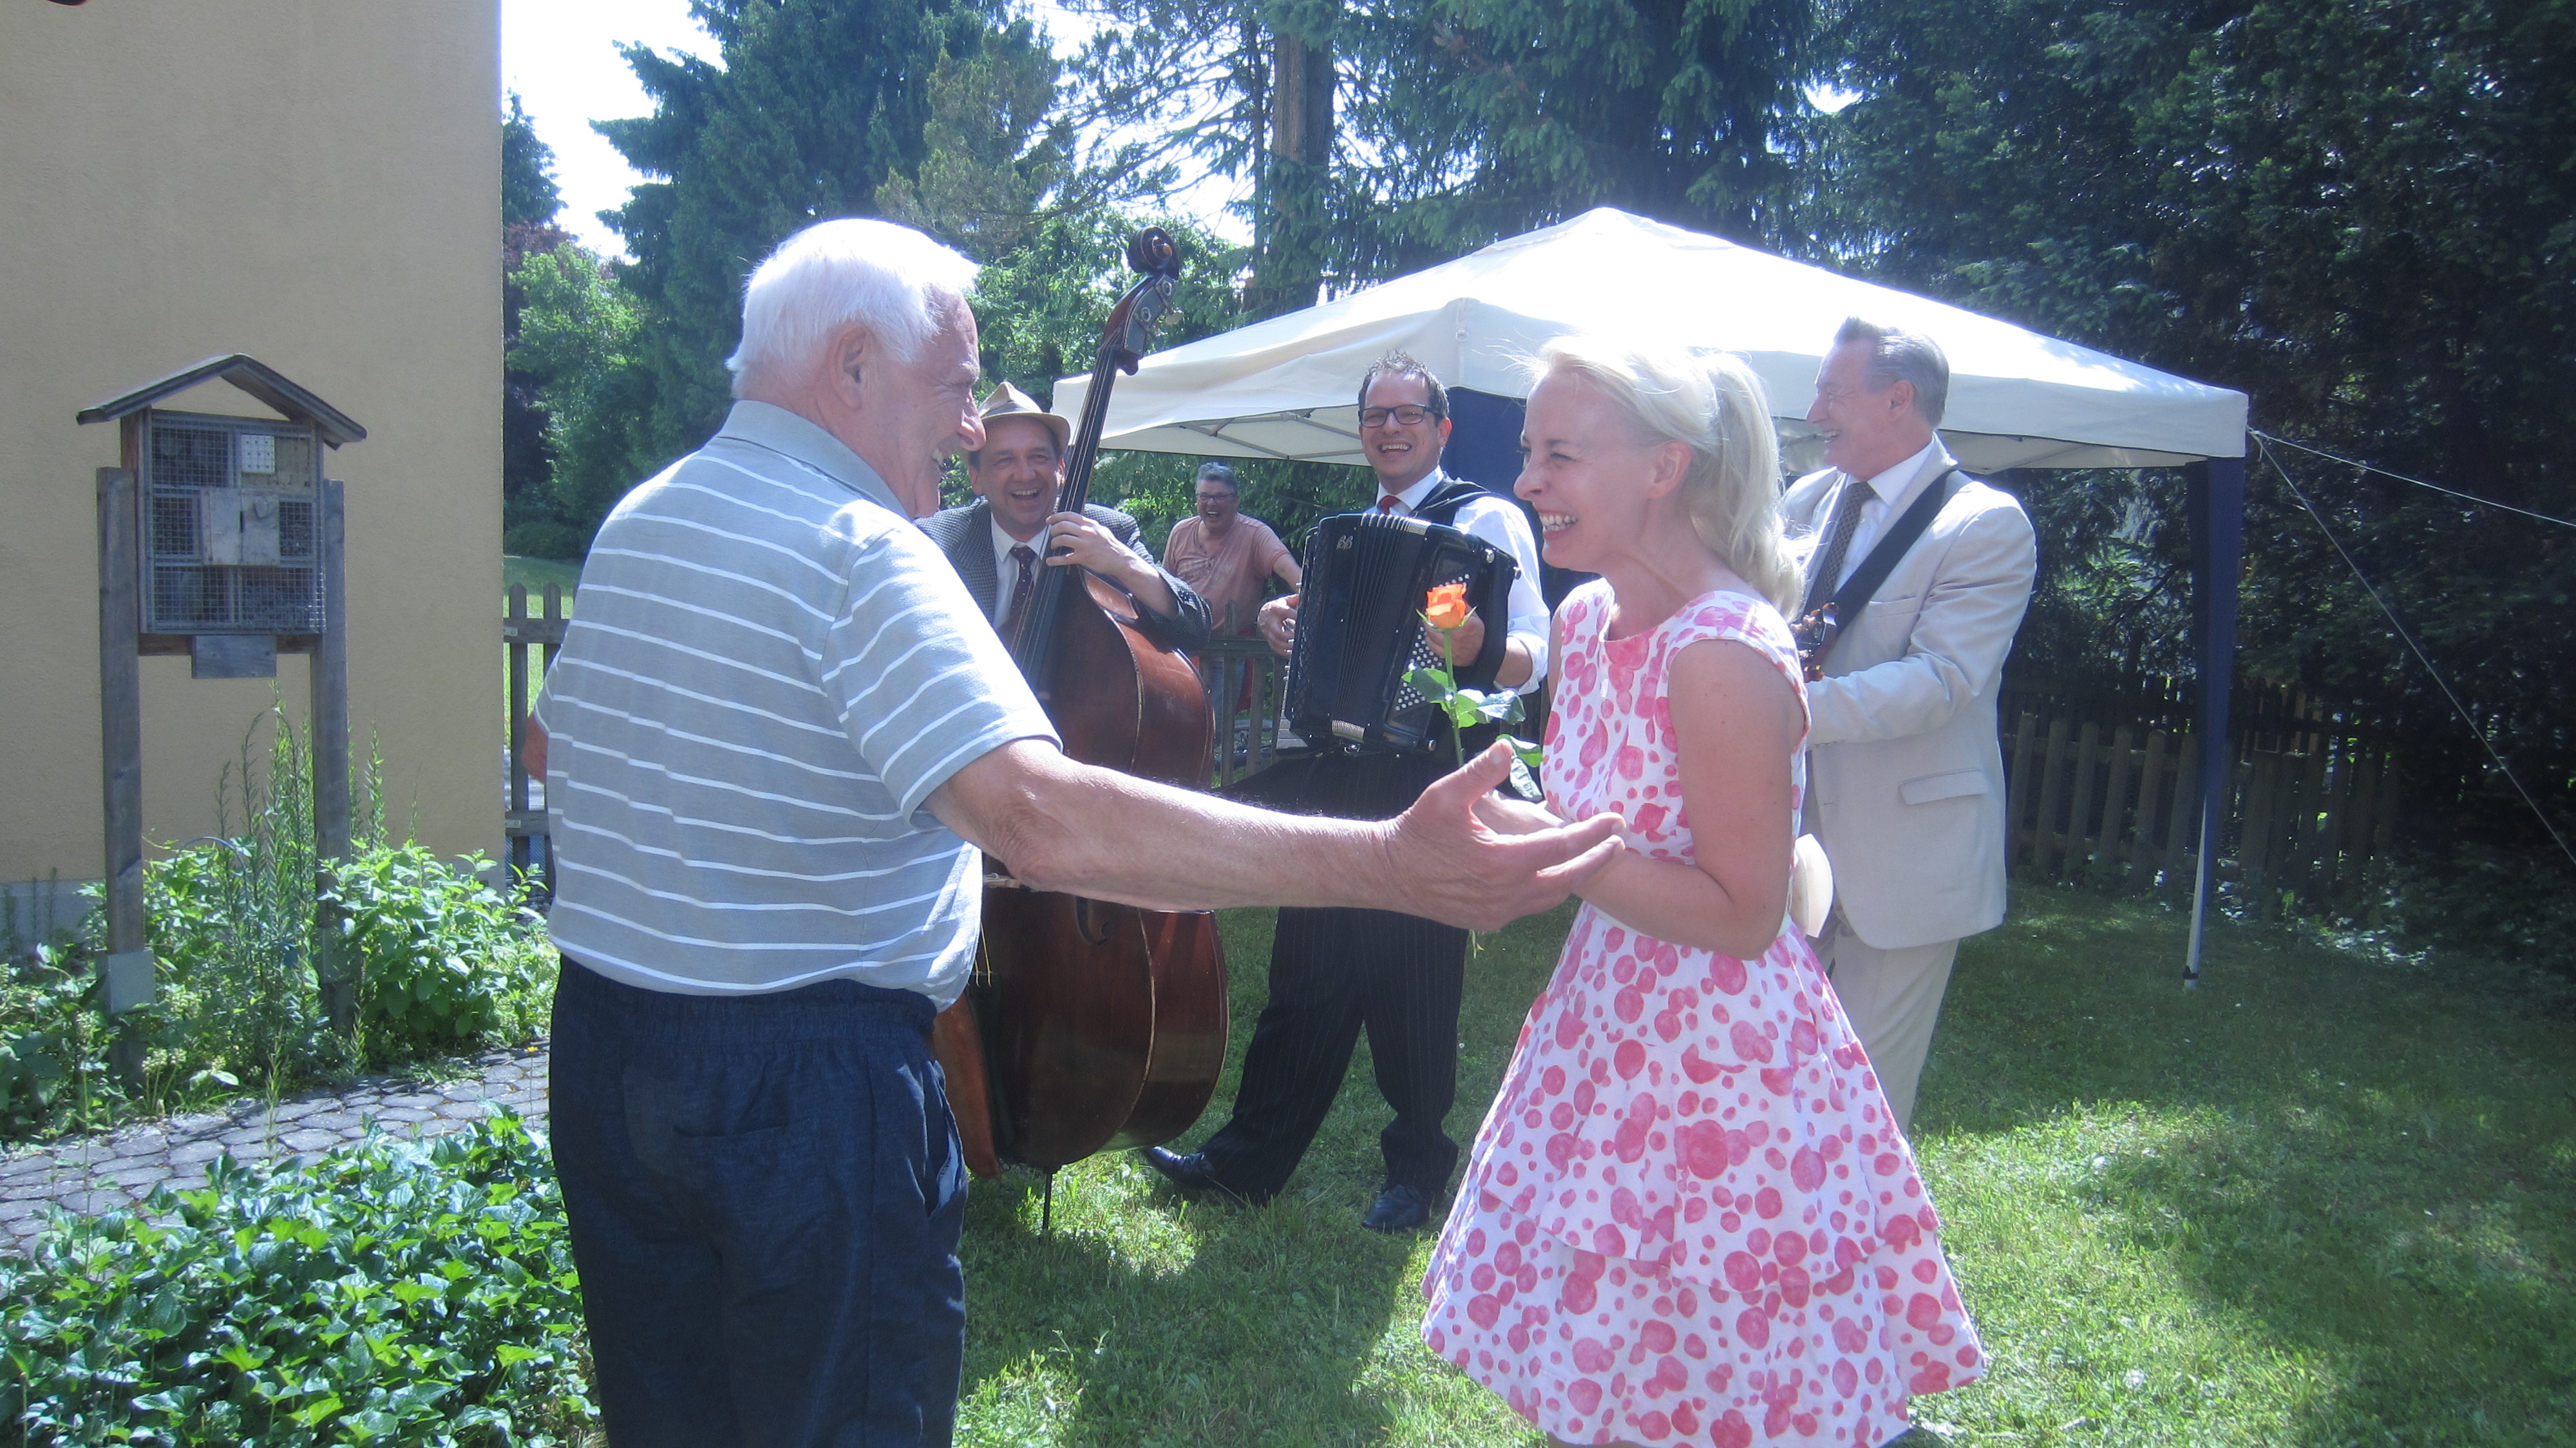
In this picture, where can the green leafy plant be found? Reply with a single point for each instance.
(443, 958)
(394, 1292)
(53, 1040)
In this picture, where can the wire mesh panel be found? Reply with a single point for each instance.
(228, 526)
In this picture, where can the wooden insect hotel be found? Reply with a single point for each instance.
(221, 538)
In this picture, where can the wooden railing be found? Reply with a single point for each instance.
(1243, 679)
(523, 826)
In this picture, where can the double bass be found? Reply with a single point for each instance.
(1089, 1026)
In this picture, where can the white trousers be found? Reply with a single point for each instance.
(1893, 999)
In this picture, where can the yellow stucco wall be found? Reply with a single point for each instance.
(315, 183)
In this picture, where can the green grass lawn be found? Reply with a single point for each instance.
(536, 573)
(2323, 1200)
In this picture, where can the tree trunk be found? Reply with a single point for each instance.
(1292, 220)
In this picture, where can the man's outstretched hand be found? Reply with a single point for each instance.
(1458, 870)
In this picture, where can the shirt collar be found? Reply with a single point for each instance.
(1003, 542)
(1422, 488)
(1891, 483)
(775, 429)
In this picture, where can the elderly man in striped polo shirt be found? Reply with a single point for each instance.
(780, 732)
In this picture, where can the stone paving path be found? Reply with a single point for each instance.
(116, 1171)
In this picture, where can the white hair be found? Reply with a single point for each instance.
(891, 279)
(1715, 406)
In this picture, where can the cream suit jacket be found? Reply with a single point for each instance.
(1906, 778)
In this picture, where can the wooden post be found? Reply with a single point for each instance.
(2316, 826)
(2017, 790)
(2259, 853)
(328, 731)
(522, 847)
(546, 645)
(2043, 854)
(2079, 813)
(125, 973)
(2182, 822)
(2337, 804)
(2115, 802)
(2360, 828)
(2142, 846)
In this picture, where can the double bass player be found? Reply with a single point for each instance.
(780, 731)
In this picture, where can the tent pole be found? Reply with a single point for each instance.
(2218, 553)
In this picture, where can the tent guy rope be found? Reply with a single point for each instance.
(2406, 635)
(2401, 477)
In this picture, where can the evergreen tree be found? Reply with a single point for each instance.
(529, 196)
(530, 202)
(1485, 118)
(815, 107)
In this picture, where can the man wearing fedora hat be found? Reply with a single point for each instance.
(993, 544)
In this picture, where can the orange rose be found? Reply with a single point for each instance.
(1446, 607)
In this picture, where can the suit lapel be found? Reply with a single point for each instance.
(972, 552)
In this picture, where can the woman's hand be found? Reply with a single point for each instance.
(1514, 817)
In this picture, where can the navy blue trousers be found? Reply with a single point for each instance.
(764, 1195)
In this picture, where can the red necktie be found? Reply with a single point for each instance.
(1387, 504)
(1027, 558)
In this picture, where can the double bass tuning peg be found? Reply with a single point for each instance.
(1151, 252)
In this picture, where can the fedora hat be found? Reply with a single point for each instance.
(1009, 401)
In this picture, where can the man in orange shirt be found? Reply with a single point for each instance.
(1225, 555)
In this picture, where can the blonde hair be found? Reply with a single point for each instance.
(1716, 407)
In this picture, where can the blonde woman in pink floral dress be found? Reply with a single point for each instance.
(1688, 1218)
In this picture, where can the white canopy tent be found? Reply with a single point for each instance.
(1284, 388)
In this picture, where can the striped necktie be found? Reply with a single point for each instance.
(1828, 569)
(1027, 558)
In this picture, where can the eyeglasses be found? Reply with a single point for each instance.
(1407, 416)
(1215, 497)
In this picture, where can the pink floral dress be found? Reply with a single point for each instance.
(1687, 1218)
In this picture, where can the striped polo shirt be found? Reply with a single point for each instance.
(768, 671)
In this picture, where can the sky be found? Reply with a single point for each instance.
(560, 56)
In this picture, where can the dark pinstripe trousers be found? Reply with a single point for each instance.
(1334, 974)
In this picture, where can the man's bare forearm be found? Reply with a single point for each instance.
(1059, 825)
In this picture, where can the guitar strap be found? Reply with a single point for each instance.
(1819, 631)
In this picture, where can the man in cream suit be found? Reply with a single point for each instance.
(1906, 786)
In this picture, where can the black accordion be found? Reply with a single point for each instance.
(1359, 627)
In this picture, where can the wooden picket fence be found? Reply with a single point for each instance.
(2309, 816)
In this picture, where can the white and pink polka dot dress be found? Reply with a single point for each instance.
(1687, 1218)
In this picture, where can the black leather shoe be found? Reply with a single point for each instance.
(1192, 1175)
(1397, 1209)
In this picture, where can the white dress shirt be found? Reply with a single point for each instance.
(1501, 523)
(1888, 497)
(1006, 573)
